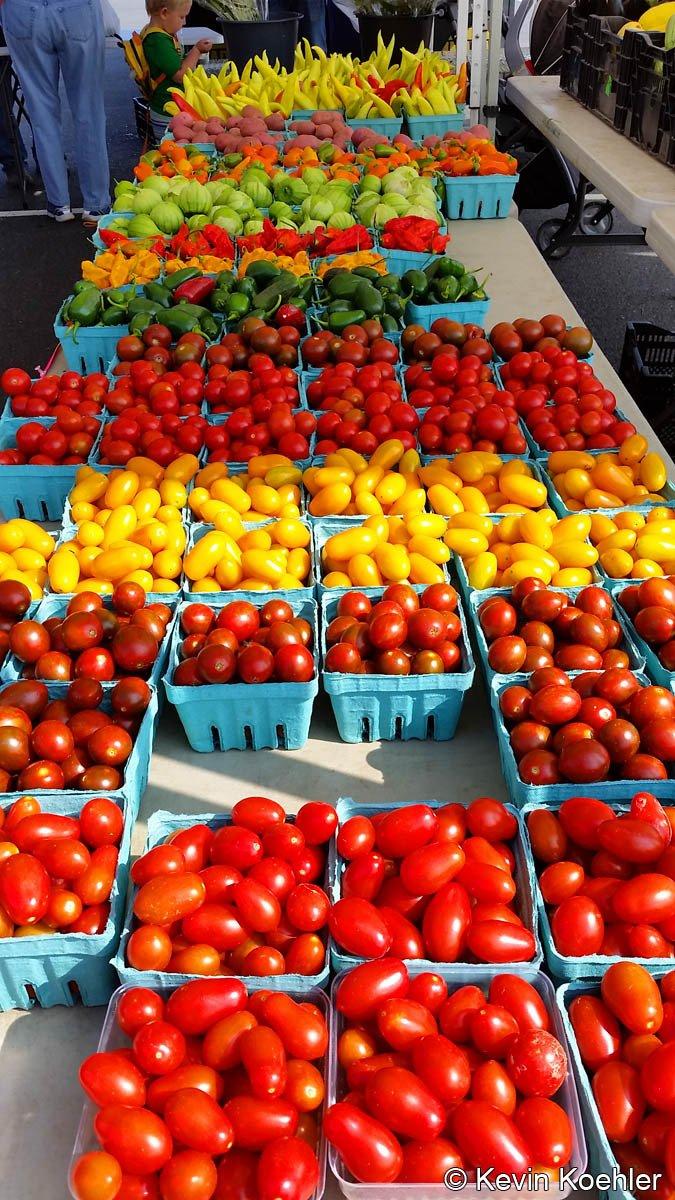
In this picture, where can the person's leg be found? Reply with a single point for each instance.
(313, 24)
(80, 39)
(28, 38)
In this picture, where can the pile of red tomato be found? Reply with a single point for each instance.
(445, 336)
(91, 641)
(361, 408)
(401, 634)
(253, 337)
(44, 397)
(433, 1082)
(563, 403)
(589, 727)
(217, 1093)
(547, 336)
(472, 423)
(259, 428)
(229, 388)
(357, 344)
(448, 377)
(431, 883)
(626, 1040)
(143, 386)
(66, 440)
(538, 627)
(244, 644)
(607, 878)
(242, 897)
(69, 741)
(56, 871)
(651, 607)
(163, 439)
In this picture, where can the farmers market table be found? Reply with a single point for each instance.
(41, 1051)
(634, 182)
(660, 235)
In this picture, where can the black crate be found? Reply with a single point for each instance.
(648, 371)
(572, 55)
(612, 60)
(652, 124)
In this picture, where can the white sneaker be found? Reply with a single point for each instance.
(92, 218)
(64, 213)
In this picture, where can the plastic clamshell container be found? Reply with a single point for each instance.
(323, 529)
(36, 492)
(55, 606)
(567, 1095)
(471, 312)
(602, 1159)
(342, 961)
(629, 641)
(546, 795)
(62, 968)
(112, 1038)
(421, 127)
(135, 775)
(470, 197)
(387, 126)
(199, 529)
(160, 825)
(371, 708)
(92, 348)
(562, 966)
(244, 716)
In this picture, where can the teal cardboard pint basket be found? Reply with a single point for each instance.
(479, 197)
(371, 708)
(246, 716)
(43, 970)
(437, 125)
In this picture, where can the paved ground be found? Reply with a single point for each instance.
(609, 285)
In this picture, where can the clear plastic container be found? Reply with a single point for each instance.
(112, 1038)
(567, 1096)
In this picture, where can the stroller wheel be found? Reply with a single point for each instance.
(596, 219)
(544, 236)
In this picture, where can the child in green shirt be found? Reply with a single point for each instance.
(164, 54)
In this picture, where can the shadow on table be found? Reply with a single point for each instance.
(186, 782)
(40, 1096)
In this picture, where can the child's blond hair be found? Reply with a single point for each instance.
(154, 6)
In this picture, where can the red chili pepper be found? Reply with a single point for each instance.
(414, 233)
(219, 240)
(417, 80)
(111, 237)
(390, 89)
(331, 241)
(195, 291)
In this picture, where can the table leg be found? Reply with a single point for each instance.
(11, 124)
(583, 224)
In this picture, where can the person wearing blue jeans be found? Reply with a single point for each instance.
(66, 39)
